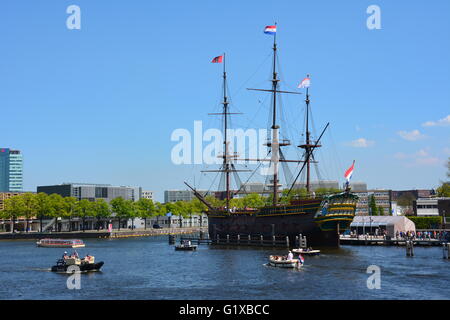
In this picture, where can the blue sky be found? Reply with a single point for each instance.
(99, 104)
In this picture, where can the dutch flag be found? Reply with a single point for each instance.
(305, 83)
(302, 260)
(349, 172)
(270, 29)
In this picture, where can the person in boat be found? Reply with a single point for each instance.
(290, 256)
(65, 256)
(75, 254)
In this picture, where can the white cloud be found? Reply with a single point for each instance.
(420, 158)
(440, 123)
(411, 136)
(361, 143)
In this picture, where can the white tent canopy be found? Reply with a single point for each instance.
(391, 224)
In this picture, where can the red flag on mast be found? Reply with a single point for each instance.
(217, 59)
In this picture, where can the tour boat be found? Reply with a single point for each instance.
(84, 264)
(283, 262)
(60, 243)
(308, 252)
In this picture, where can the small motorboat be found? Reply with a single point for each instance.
(283, 262)
(84, 264)
(186, 246)
(60, 243)
(307, 252)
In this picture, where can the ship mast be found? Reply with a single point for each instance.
(275, 146)
(226, 164)
(308, 146)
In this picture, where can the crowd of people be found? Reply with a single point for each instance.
(422, 235)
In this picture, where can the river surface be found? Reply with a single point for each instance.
(150, 268)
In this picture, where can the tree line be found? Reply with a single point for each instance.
(43, 206)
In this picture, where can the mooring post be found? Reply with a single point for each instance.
(305, 245)
(297, 241)
(249, 239)
(239, 239)
(262, 240)
(273, 240)
(228, 238)
(446, 250)
(287, 241)
(218, 238)
(409, 248)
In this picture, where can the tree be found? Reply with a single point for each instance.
(253, 200)
(406, 201)
(84, 208)
(101, 210)
(14, 208)
(44, 207)
(160, 210)
(29, 201)
(121, 208)
(444, 190)
(380, 211)
(146, 209)
(68, 209)
(373, 206)
(57, 204)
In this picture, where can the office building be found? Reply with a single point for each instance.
(92, 192)
(147, 195)
(182, 195)
(11, 170)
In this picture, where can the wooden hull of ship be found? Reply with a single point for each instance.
(279, 225)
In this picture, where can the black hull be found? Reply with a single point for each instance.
(83, 267)
(267, 226)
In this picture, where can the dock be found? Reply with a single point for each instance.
(373, 240)
(247, 240)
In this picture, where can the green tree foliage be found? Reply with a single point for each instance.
(373, 206)
(121, 208)
(29, 202)
(444, 190)
(84, 208)
(146, 209)
(44, 207)
(426, 222)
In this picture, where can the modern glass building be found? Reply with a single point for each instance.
(11, 170)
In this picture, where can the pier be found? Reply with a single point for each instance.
(247, 240)
(373, 240)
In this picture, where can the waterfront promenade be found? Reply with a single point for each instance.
(116, 234)
(380, 240)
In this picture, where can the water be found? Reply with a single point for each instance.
(150, 268)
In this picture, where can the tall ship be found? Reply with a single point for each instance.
(318, 217)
